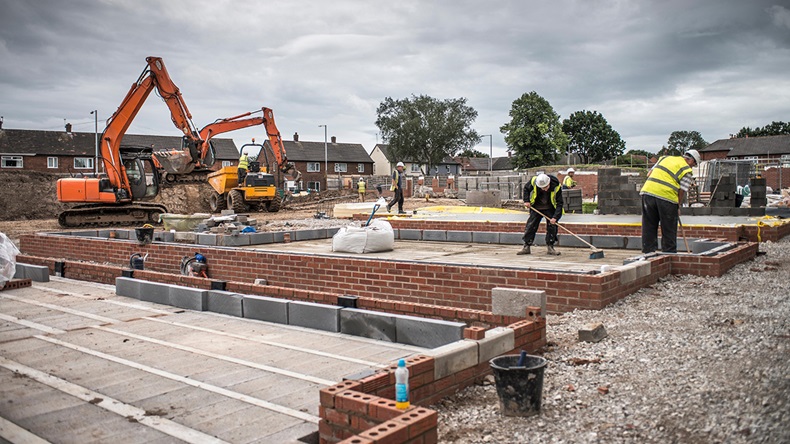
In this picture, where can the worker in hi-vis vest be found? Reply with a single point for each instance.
(397, 187)
(244, 164)
(662, 194)
(568, 182)
(361, 189)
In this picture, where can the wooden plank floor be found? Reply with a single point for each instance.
(79, 364)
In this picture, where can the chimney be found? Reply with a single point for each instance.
(334, 139)
(296, 137)
(68, 128)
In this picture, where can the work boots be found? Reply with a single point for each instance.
(551, 251)
(524, 250)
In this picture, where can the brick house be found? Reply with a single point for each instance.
(65, 152)
(343, 160)
(769, 148)
(385, 164)
(476, 165)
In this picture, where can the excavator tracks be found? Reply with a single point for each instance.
(198, 176)
(98, 215)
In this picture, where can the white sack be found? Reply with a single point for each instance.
(8, 252)
(378, 236)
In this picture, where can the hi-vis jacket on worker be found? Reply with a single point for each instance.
(665, 177)
(568, 182)
(244, 163)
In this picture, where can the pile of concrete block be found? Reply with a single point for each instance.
(616, 194)
(724, 192)
(227, 223)
(572, 200)
(758, 197)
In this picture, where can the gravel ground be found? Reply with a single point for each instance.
(689, 360)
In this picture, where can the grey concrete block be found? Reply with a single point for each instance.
(570, 241)
(459, 236)
(19, 271)
(312, 315)
(302, 235)
(235, 240)
(155, 292)
(37, 273)
(434, 235)
(186, 236)
(514, 301)
(368, 324)
(410, 234)
(261, 238)
(121, 234)
(628, 273)
(104, 233)
(128, 287)
(188, 297)
(700, 246)
(608, 241)
(452, 358)
(207, 239)
(168, 236)
(265, 308)
(511, 238)
(592, 333)
(225, 302)
(497, 341)
(485, 238)
(279, 236)
(425, 332)
(88, 233)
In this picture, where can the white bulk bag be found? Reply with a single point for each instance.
(376, 237)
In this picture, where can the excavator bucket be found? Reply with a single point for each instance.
(175, 161)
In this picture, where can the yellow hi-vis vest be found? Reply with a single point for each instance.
(361, 186)
(243, 162)
(569, 182)
(664, 178)
(534, 194)
(394, 186)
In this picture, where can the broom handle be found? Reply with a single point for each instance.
(683, 231)
(561, 226)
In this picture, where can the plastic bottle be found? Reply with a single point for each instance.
(402, 386)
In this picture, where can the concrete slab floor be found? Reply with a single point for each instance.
(481, 255)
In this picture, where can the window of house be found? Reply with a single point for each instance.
(52, 162)
(83, 163)
(341, 167)
(313, 186)
(360, 168)
(11, 161)
(227, 163)
(313, 167)
(415, 168)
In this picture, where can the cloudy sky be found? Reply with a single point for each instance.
(650, 67)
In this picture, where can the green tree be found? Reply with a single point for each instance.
(471, 152)
(591, 137)
(681, 141)
(534, 133)
(774, 129)
(426, 130)
(647, 154)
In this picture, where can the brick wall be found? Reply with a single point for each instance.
(587, 182)
(773, 176)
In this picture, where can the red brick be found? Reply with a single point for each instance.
(475, 333)
(354, 401)
(419, 420)
(389, 432)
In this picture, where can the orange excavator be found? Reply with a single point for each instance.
(260, 188)
(132, 174)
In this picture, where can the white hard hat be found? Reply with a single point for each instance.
(571, 170)
(694, 154)
(400, 164)
(542, 181)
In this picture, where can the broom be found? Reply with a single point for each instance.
(597, 253)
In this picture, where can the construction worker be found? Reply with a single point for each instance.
(244, 164)
(542, 193)
(361, 189)
(664, 190)
(397, 187)
(568, 182)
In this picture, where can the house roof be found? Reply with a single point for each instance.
(384, 148)
(482, 163)
(751, 146)
(335, 152)
(31, 142)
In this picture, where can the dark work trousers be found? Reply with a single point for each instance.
(242, 173)
(397, 199)
(657, 211)
(532, 227)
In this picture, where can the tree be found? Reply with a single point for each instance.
(534, 133)
(426, 130)
(681, 141)
(591, 137)
(471, 152)
(647, 154)
(774, 129)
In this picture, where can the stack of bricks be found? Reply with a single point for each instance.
(758, 197)
(616, 195)
(572, 200)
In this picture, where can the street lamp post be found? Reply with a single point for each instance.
(490, 151)
(326, 160)
(96, 141)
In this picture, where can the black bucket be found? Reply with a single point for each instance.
(520, 389)
(137, 262)
(144, 235)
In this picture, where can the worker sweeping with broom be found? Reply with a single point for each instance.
(542, 193)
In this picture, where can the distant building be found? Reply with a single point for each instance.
(385, 164)
(764, 149)
(473, 165)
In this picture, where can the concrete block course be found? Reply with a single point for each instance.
(425, 332)
(309, 234)
(127, 287)
(452, 358)
(410, 234)
(236, 240)
(513, 238)
(313, 315)
(265, 308)
(514, 301)
(261, 238)
(225, 302)
(459, 236)
(368, 324)
(206, 239)
(188, 298)
(485, 237)
(434, 235)
(155, 292)
(497, 341)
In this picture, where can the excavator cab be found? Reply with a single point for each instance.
(141, 173)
